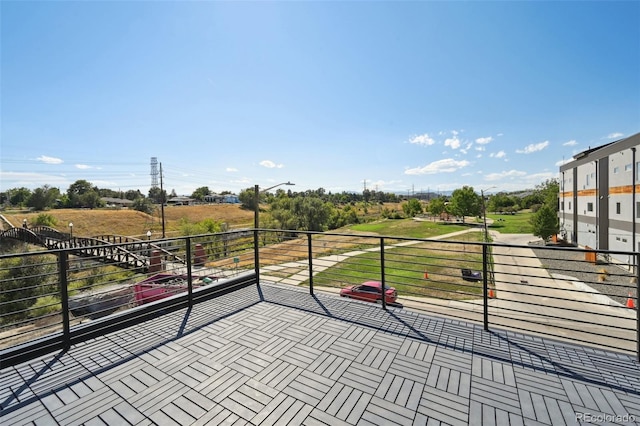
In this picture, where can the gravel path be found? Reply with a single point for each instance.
(617, 285)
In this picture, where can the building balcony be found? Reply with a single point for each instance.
(276, 344)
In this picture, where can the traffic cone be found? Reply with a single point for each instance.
(492, 295)
(630, 303)
(426, 275)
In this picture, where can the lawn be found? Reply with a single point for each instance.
(518, 223)
(409, 228)
(405, 269)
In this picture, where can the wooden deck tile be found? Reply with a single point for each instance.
(361, 377)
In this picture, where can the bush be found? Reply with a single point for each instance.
(21, 280)
(45, 219)
(44, 306)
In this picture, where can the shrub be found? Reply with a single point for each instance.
(44, 306)
(45, 219)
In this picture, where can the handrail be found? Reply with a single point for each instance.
(530, 295)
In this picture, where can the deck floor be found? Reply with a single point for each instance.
(275, 355)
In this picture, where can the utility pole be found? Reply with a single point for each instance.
(162, 200)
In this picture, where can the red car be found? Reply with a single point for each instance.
(370, 291)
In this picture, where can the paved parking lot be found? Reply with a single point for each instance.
(276, 355)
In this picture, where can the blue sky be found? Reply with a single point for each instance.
(397, 96)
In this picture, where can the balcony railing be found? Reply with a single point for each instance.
(51, 299)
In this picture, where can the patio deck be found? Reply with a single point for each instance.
(273, 355)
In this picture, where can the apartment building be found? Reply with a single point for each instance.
(599, 197)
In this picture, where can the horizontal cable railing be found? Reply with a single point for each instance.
(562, 292)
(49, 293)
(566, 293)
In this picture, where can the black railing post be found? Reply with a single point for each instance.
(256, 254)
(310, 253)
(63, 266)
(189, 272)
(382, 274)
(485, 287)
(637, 306)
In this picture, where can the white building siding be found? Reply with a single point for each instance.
(600, 197)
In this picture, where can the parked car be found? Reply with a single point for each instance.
(370, 291)
(469, 275)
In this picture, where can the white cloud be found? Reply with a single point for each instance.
(453, 143)
(424, 139)
(49, 160)
(466, 148)
(447, 165)
(504, 175)
(481, 148)
(270, 164)
(615, 135)
(231, 169)
(499, 154)
(534, 147)
(570, 143)
(484, 141)
(541, 177)
(31, 180)
(82, 166)
(562, 162)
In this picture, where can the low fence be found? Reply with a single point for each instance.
(51, 299)
(567, 293)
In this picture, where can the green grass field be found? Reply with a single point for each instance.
(408, 228)
(518, 223)
(405, 268)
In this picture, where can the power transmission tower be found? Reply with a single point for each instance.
(154, 172)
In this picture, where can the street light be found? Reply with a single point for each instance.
(256, 223)
(71, 229)
(484, 213)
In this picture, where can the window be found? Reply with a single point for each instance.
(638, 171)
(637, 209)
(589, 207)
(587, 180)
(561, 205)
(569, 205)
(617, 208)
(628, 167)
(616, 169)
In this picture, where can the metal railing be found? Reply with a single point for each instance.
(52, 299)
(568, 293)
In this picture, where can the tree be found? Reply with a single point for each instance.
(157, 195)
(83, 194)
(19, 196)
(144, 205)
(545, 222)
(500, 202)
(199, 193)
(43, 198)
(549, 190)
(437, 206)
(133, 194)
(465, 202)
(412, 208)
(247, 198)
(91, 200)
